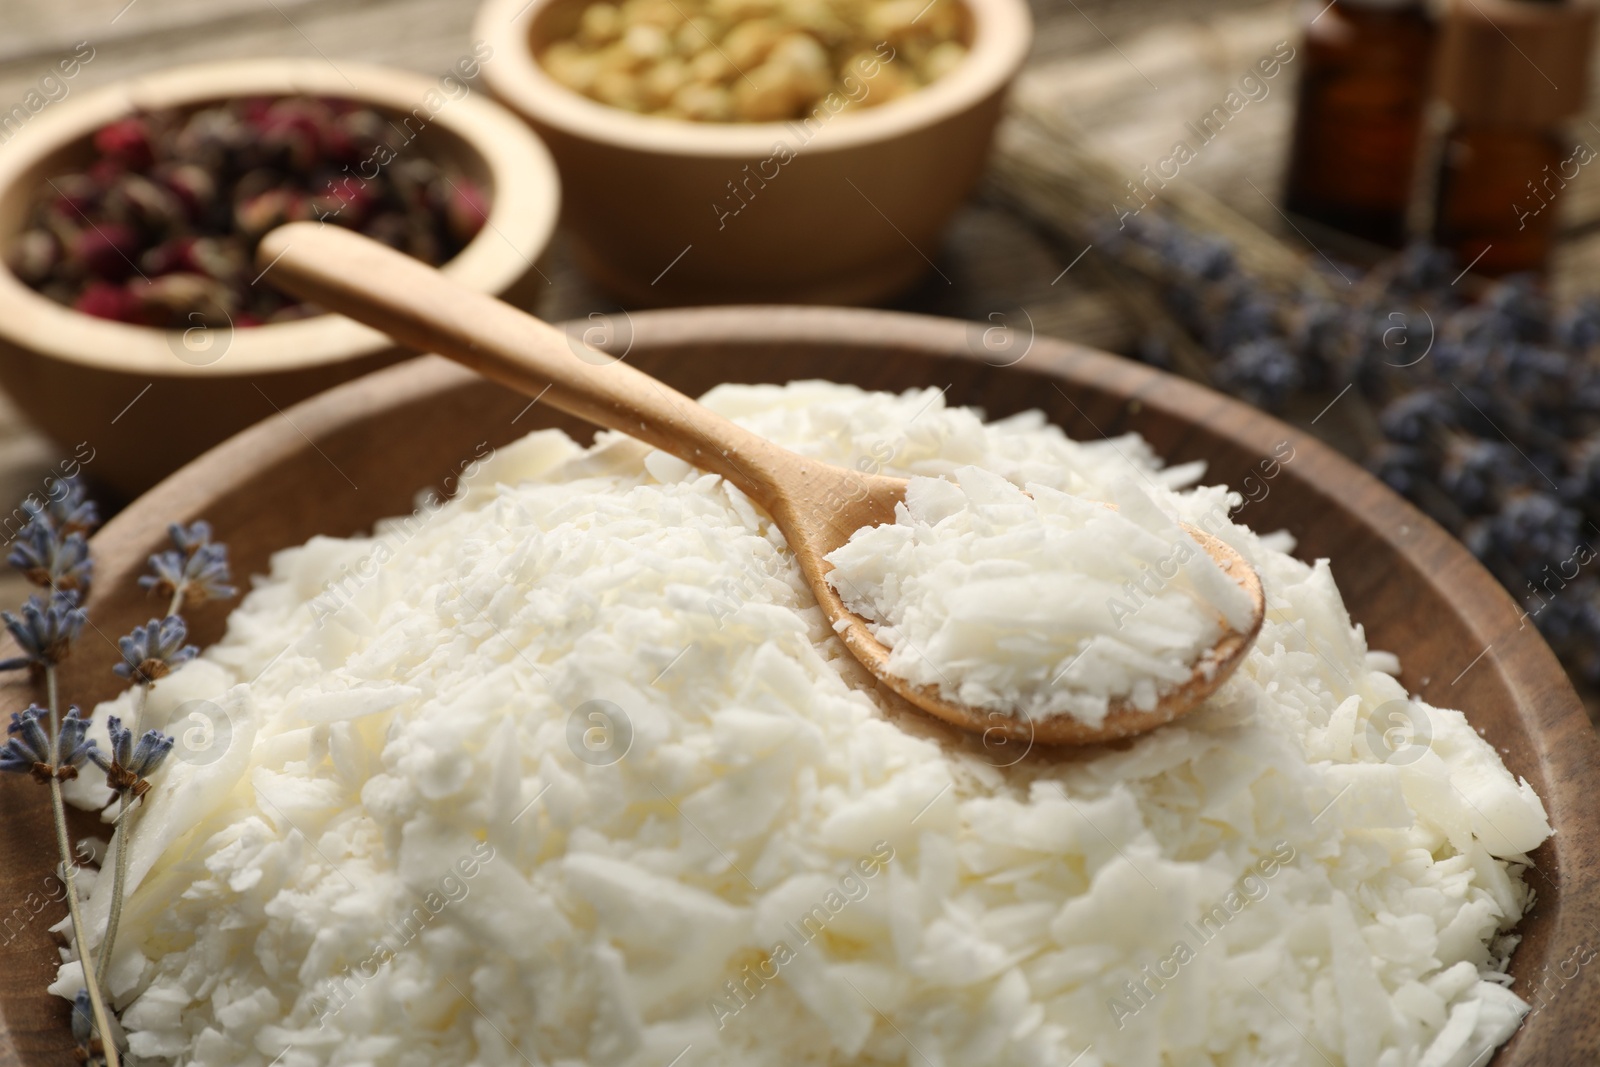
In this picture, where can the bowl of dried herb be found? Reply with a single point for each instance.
(132, 317)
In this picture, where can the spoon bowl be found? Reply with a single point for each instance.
(817, 506)
(854, 500)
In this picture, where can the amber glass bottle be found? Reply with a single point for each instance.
(1364, 83)
(1512, 72)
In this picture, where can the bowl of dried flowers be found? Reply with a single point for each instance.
(132, 317)
(758, 150)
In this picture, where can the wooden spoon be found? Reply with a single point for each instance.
(817, 506)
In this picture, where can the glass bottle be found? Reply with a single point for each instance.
(1512, 73)
(1363, 89)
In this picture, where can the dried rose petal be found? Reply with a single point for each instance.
(255, 108)
(208, 137)
(260, 213)
(105, 251)
(106, 170)
(300, 128)
(106, 301)
(140, 202)
(219, 257)
(168, 257)
(365, 126)
(349, 201)
(187, 298)
(127, 141)
(194, 186)
(76, 195)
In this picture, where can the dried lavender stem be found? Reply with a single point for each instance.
(68, 871)
(118, 881)
(124, 828)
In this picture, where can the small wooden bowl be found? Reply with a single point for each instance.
(83, 379)
(853, 216)
(1418, 592)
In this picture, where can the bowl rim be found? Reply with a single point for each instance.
(522, 213)
(1002, 35)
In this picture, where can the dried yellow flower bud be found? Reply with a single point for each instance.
(600, 24)
(704, 103)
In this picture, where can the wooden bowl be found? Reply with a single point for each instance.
(844, 209)
(1418, 592)
(83, 379)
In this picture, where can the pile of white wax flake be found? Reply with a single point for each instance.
(572, 771)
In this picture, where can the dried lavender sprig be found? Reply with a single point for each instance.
(58, 808)
(28, 750)
(45, 630)
(130, 765)
(127, 772)
(66, 509)
(56, 546)
(197, 571)
(150, 652)
(154, 650)
(48, 559)
(190, 539)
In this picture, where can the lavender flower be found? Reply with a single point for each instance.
(153, 650)
(46, 558)
(73, 747)
(45, 630)
(67, 508)
(131, 765)
(166, 573)
(196, 577)
(191, 539)
(83, 1024)
(28, 749)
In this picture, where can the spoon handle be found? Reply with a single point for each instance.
(423, 309)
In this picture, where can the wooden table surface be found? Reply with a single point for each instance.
(1129, 72)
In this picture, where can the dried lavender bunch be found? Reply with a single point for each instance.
(1486, 412)
(161, 228)
(53, 551)
(40, 743)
